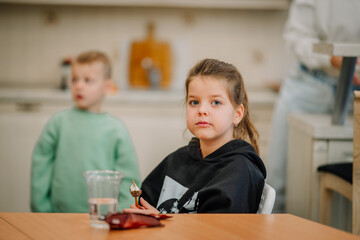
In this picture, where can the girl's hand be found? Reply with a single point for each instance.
(146, 208)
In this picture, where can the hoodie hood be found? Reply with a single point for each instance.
(228, 150)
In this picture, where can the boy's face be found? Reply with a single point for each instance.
(89, 85)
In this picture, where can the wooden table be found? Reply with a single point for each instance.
(63, 226)
(9, 232)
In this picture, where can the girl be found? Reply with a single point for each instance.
(217, 172)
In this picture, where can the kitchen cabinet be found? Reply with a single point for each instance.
(155, 120)
(215, 4)
(19, 132)
(314, 141)
(156, 130)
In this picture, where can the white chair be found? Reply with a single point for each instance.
(267, 200)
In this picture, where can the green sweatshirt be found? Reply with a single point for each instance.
(72, 142)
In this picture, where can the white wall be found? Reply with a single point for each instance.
(32, 46)
(34, 39)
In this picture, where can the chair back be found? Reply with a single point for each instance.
(267, 200)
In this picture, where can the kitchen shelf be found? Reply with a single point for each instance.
(198, 4)
(259, 97)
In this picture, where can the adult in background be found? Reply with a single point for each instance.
(310, 84)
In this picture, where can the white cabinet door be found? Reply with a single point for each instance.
(312, 144)
(19, 133)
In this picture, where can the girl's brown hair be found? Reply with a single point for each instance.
(230, 75)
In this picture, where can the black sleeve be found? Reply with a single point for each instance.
(151, 186)
(237, 188)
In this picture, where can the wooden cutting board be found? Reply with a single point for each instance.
(150, 62)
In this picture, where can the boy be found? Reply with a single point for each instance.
(80, 139)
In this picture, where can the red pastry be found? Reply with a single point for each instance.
(132, 220)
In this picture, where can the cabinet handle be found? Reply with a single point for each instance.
(27, 106)
(347, 156)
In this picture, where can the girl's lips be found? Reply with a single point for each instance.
(79, 97)
(202, 124)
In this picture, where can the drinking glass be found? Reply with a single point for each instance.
(103, 191)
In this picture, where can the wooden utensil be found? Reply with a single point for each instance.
(150, 62)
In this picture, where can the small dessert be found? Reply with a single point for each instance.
(135, 192)
(131, 220)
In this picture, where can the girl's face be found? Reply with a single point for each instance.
(210, 115)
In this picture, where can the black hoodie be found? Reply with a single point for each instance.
(229, 180)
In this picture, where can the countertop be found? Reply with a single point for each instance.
(338, 49)
(162, 97)
(320, 127)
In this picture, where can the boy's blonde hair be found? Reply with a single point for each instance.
(235, 85)
(95, 56)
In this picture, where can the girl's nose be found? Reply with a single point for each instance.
(203, 109)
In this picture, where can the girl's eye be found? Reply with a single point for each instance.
(88, 80)
(216, 102)
(74, 80)
(193, 102)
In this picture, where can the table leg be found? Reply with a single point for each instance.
(343, 91)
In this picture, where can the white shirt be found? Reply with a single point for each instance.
(313, 21)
